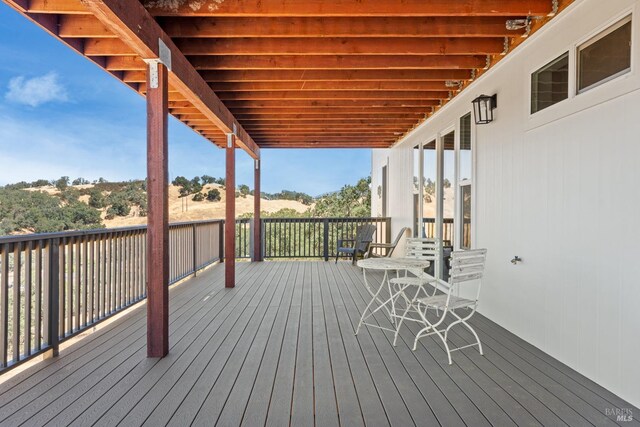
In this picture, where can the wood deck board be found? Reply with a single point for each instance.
(280, 349)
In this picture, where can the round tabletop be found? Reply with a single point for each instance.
(393, 263)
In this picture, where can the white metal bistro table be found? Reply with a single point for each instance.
(377, 302)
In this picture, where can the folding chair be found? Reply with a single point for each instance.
(466, 267)
(419, 282)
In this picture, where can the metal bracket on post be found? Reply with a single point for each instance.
(505, 49)
(230, 140)
(257, 163)
(164, 54)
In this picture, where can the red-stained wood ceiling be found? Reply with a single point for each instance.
(308, 73)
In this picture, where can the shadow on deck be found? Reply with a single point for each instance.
(280, 349)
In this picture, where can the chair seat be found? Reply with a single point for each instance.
(413, 281)
(440, 301)
(347, 250)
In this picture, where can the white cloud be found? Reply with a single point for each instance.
(37, 90)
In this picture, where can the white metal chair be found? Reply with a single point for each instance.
(466, 267)
(420, 283)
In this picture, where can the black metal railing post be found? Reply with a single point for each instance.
(195, 249)
(221, 241)
(325, 223)
(252, 242)
(263, 240)
(53, 302)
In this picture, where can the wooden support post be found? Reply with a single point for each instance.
(158, 215)
(230, 214)
(257, 225)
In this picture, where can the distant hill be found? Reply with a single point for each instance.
(49, 208)
(43, 206)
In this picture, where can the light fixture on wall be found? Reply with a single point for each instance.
(483, 108)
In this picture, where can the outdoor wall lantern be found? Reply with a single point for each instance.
(483, 108)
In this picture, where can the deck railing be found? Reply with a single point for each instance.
(54, 286)
(429, 230)
(314, 237)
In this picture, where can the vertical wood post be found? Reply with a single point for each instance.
(158, 214)
(230, 215)
(257, 223)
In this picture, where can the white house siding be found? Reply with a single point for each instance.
(560, 190)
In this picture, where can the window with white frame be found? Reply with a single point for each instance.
(465, 161)
(605, 56)
(417, 177)
(550, 84)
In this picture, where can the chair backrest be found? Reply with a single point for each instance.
(364, 236)
(422, 249)
(426, 249)
(399, 236)
(467, 266)
(397, 240)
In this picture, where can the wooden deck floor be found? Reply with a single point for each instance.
(279, 350)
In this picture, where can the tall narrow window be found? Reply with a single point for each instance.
(606, 56)
(416, 190)
(429, 170)
(448, 188)
(465, 182)
(550, 84)
(384, 191)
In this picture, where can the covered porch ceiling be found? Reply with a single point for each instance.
(296, 73)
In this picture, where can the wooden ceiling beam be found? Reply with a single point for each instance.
(322, 86)
(257, 112)
(245, 76)
(124, 63)
(329, 127)
(265, 8)
(345, 94)
(83, 26)
(327, 62)
(315, 145)
(266, 118)
(107, 47)
(323, 123)
(328, 104)
(353, 26)
(349, 8)
(342, 46)
(58, 7)
(314, 114)
(133, 24)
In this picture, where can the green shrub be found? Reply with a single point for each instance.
(213, 195)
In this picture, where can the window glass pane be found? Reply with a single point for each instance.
(465, 148)
(465, 214)
(606, 57)
(429, 161)
(416, 191)
(550, 84)
(385, 182)
(448, 190)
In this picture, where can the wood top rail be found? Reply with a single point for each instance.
(96, 231)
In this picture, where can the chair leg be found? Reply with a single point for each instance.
(404, 314)
(355, 257)
(464, 322)
(337, 255)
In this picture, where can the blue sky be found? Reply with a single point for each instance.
(62, 115)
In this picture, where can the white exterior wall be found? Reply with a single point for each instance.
(560, 190)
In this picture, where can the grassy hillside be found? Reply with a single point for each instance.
(44, 206)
